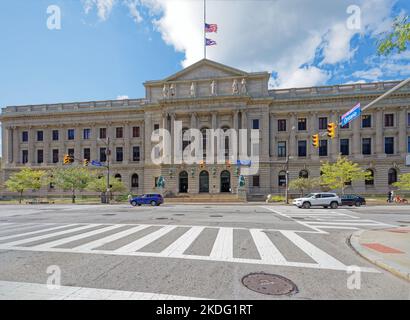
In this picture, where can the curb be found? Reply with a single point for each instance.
(375, 259)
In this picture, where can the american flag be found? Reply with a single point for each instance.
(211, 27)
(209, 42)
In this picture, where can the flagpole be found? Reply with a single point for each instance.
(203, 26)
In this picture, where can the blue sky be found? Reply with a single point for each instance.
(108, 48)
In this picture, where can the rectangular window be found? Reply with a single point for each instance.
(103, 155)
(136, 154)
(86, 134)
(344, 147)
(70, 134)
(302, 124)
(119, 132)
(255, 124)
(40, 135)
(281, 125)
(103, 133)
(156, 126)
(302, 148)
(119, 156)
(24, 156)
(408, 119)
(323, 123)
(282, 179)
(255, 181)
(55, 156)
(40, 156)
(135, 132)
(366, 121)
(323, 148)
(282, 149)
(408, 144)
(389, 145)
(87, 154)
(71, 153)
(389, 120)
(366, 146)
(24, 136)
(55, 135)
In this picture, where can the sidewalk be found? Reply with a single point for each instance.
(386, 248)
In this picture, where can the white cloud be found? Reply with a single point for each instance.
(281, 36)
(103, 7)
(133, 8)
(372, 74)
(122, 98)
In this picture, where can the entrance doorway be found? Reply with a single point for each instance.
(204, 181)
(225, 181)
(183, 182)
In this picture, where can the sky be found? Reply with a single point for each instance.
(106, 49)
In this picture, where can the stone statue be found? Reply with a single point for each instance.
(192, 90)
(165, 91)
(172, 90)
(213, 88)
(244, 90)
(235, 87)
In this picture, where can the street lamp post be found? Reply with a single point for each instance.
(107, 155)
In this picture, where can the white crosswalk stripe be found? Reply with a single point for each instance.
(36, 232)
(221, 247)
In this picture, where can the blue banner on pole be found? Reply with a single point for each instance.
(96, 163)
(246, 163)
(352, 114)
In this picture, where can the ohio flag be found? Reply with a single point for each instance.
(211, 27)
(209, 42)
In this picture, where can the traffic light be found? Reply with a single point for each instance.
(86, 162)
(315, 140)
(241, 181)
(202, 164)
(331, 130)
(67, 159)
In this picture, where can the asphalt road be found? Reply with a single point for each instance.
(194, 251)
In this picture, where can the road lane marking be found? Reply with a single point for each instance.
(144, 241)
(179, 246)
(37, 231)
(100, 242)
(267, 250)
(223, 245)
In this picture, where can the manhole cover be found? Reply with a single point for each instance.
(216, 216)
(270, 284)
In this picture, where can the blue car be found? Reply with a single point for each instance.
(152, 199)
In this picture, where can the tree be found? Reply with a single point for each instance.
(398, 38)
(25, 179)
(404, 182)
(99, 184)
(337, 175)
(72, 179)
(304, 185)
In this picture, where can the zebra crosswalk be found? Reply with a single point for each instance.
(171, 241)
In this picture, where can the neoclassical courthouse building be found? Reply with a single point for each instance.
(208, 95)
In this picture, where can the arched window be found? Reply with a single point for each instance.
(204, 141)
(118, 176)
(370, 180)
(134, 181)
(282, 179)
(392, 176)
(304, 174)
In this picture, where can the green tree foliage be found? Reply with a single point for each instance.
(72, 179)
(397, 39)
(25, 179)
(304, 185)
(337, 175)
(404, 182)
(99, 184)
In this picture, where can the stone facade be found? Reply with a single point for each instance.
(210, 95)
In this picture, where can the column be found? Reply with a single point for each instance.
(16, 146)
(111, 135)
(236, 128)
(335, 142)
(173, 119)
(356, 138)
(244, 125)
(78, 153)
(272, 135)
(214, 127)
(264, 147)
(378, 127)
(31, 157)
(292, 135)
(127, 144)
(313, 129)
(147, 139)
(402, 133)
(9, 135)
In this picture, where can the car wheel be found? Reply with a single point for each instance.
(139, 204)
(334, 205)
(357, 204)
(325, 207)
(133, 203)
(306, 205)
(153, 203)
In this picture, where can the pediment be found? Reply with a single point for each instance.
(206, 69)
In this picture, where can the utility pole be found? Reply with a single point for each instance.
(108, 153)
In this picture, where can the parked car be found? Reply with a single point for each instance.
(353, 200)
(152, 199)
(324, 199)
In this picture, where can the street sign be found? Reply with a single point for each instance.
(350, 115)
(96, 163)
(244, 163)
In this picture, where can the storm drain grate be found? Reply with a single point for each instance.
(269, 284)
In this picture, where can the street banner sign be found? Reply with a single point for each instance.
(244, 163)
(96, 163)
(352, 114)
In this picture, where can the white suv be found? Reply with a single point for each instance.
(318, 199)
